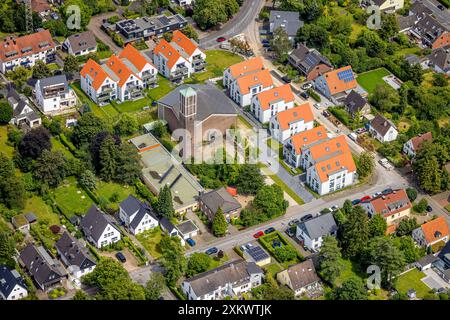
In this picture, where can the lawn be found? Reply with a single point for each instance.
(6, 149)
(42, 211)
(3, 225)
(369, 80)
(53, 66)
(273, 267)
(58, 146)
(109, 189)
(216, 262)
(132, 106)
(350, 270)
(164, 87)
(71, 198)
(412, 280)
(150, 240)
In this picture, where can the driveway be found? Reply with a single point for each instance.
(433, 280)
(95, 26)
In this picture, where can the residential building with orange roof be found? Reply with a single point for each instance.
(323, 149)
(242, 68)
(121, 77)
(268, 103)
(392, 207)
(413, 145)
(170, 62)
(26, 50)
(244, 88)
(294, 146)
(190, 49)
(432, 232)
(336, 84)
(286, 123)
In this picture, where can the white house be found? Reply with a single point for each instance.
(98, 228)
(382, 129)
(312, 231)
(189, 49)
(141, 65)
(136, 215)
(287, 123)
(229, 280)
(54, 96)
(12, 286)
(268, 103)
(23, 113)
(26, 50)
(80, 44)
(432, 232)
(240, 69)
(75, 256)
(413, 145)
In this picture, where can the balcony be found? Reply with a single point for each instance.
(107, 90)
(179, 73)
(103, 97)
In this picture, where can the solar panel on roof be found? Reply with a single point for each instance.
(346, 75)
(257, 253)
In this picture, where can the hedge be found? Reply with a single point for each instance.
(143, 191)
(340, 114)
(177, 293)
(69, 145)
(271, 249)
(135, 249)
(314, 95)
(93, 251)
(238, 250)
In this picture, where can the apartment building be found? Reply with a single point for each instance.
(268, 103)
(54, 96)
(286, 123)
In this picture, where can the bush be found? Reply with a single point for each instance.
(421, 206)
(314, 95)
(412, 194)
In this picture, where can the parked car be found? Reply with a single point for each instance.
(376, 194)
(265, 41)
(387, 191)
(386, 164)
(286, 79)
(211, 251)
(221, 39)
(121, 257)
(269, 230)
(356, 201)
(353, 136)
(429, 208)
(316, 105)
(334, 208)
(441, 7)
(325, 113)
(76, 282)
(306, 217)
(258, 234)
(365, 198)
(293, 222)
(360, 130)
(290, 232)
(304, 95)
(307, 86)
(191, 242)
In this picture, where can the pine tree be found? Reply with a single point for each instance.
(165, 203)
(108, 156)
(330, 266)
(355, 233)
(219, 225)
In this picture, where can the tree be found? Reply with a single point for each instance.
(314, 36)
(351, 289)
(19, 76)
(154, 286)
(406, 226)
(209, 13)
(173, 258)
(384, 98)
(87, 180)
(250, 179)
(421, 206)
(85, 11)
(7, 250)
(412, 194)
(159, 129)
(93, 56)
(389, 26)
(190, 32)
(128, 168)
(271, 291)
(164, 205)
(377, 226)
(375, 46)
(365, 165)
(219, 225)
(285, 253)
(50, 168)
(347, 208)
(6, 112)
(270, 200)
(41, 70)
(71, 64)
(329, 259)
(439, 80)
(411, 252)
(87, 128)
(197, 263)
(12, 190)
(34, 143)
(281, 43)
(355, 233)
(56, 27)
(126, 125)
(80, 295)
(108, 159)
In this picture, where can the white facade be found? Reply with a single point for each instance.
(419, 238)
(390, 135)
(109, 236)
(245, 99)
(181, 67)
(27, 61)
(107, 91)
(78, 53)
(312, 244)
(294, 127)
(264, 116)
(336, 181)
(147, 222)
(17, 293)
(57, 102)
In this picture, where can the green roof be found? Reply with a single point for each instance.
(188, 92)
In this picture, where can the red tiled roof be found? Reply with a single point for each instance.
(95, 71)
(307, 137)
(332, 146)
(120, 69)
(336, 85)
(418, 140)
(134, 56)
(297, 113)
(338, 162)
(392, 203)
(246, 66)
(166, 49)
(184, 42)
(435, 230)
(247, 81)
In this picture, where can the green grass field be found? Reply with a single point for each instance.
(42, 211)
(412, 280)
(108, 189)
(7, 150)
(150, 240)
(369, 80)
(58, 146)
(71, 198)
(164, 87)
(132, 106)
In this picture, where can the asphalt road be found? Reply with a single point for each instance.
(95, 26)
(236, 25)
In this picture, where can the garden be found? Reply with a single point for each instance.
(150, 240)
(279, 247)
(369, 80)
(412, 280)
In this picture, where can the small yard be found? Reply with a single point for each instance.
(369, 80)
(114, 193)
(164, 87)
(412, 280)
(6, 149)
(150, 240)
(71, 198)
(42, 211)
(273, 267)
(58, 146)
(132, 106)
(274, 242)
(350, 270)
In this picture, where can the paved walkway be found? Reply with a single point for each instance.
(433, 280)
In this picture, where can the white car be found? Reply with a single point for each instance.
(307, 86)
(386, 164)
(333, 208)
(316, 105)
(76, 282)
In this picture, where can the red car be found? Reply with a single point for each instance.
(220, 39)
(258, 234)
(365, 198)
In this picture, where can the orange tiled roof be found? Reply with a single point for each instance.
(246, 66)
(261, 77)
(134, 56)
(25, 45)
(307, 137)
(329, 148)
(171, 54)
(95, 71)
(338, 162)
(120, 69)
(184, 42)
(297, 113)
(435, 230)
(40, 6)
(336, 85)
(392, 203)
(276, 94)
(418, 140)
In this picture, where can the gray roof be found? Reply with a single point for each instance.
(210, 100)
(95, 222)
(231, 272)
(186, 227)
(9, 279)
(412, 59)
(82, 41)
(419, 9)
(22, 102)
(74, 252)
(354, 102)
(166, 224)
(220, 198)
(406, 22)
(40, 265)
(381, 124)
(52, 81)
(319, 226)
(302, 274)
(429, 29)
(131, 205)
(307, 58)
(441, 57)
(427, 260)
(31, 217)
(288, 20)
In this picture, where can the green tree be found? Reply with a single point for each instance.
(270, 200)
(6, 112)
(50, 168)
(374, 45)
(281, 44)
(314, 36)
(329, 259)
(19, 76)
(351, 289)
(87, 128)
(87, 180)
(71, 64)
(389, 26)
(80, 295)
(126, 125)
(41, 70)
(219, 225)
(365, 165)
(190, 32)
(108, 159)
(355, 233)
(197, 263)
(406, 226)
(128, 168)
(155, 286)
(347, 208)
(285, 253)
(209, 13)
(410, 251)
(164, 205)
(12, 190)
(412, 194)
(250, 179)
(173, 258)
(7, 250)
(159, 129)
(377, 226)
(34, 143)
(85, 10)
